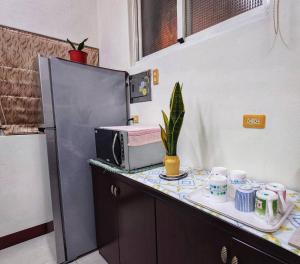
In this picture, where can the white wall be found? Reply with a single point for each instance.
(113, 34)
(73, 19)
(225, 77)
(24, 181)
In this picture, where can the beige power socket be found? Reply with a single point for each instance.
(136, 119)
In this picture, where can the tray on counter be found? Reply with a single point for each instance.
(227, 209)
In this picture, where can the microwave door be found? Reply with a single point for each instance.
(104, 145)
(108, 146)
(116, 148)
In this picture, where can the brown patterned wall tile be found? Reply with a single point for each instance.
(19, 89)
(20, 104)
(21, 110)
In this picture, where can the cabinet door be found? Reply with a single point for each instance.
(184, 238)
(106, 214)
(243, 253)
(137, 240)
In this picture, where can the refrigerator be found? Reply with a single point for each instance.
(76, 98)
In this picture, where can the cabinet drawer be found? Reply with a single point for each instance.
(243, 253)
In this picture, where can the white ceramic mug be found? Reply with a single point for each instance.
(219, 171)
(281, 192)
(266, 205)
(236, 179)
(217, 186)
(245, 198)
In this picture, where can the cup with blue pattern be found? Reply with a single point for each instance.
(245, 198)
(236, 179)
(218, 188)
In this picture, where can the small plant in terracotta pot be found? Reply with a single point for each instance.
(76, 54)
(170, 133)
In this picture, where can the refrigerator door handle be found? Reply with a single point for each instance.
(113, 148)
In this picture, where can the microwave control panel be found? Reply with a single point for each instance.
(140, 87)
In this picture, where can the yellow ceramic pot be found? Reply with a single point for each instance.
(172, 165)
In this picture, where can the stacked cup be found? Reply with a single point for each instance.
(280, 190)
(217, 184)
(271, 201)
(245, 198)
(236, 179)
(266, 205)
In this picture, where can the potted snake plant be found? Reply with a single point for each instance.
(170, 133)
(76, 54)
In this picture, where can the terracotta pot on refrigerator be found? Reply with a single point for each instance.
(78, 56)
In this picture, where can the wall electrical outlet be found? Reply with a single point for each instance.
(136, 119)
(254, 121)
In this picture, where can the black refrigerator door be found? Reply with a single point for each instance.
(84, 97)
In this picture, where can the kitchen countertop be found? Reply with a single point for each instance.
(195, 180)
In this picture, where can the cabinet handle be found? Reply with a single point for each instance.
(235, 260)
(112, 189)
(224, 255)
(116, 191)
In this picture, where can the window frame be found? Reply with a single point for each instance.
(136, 40)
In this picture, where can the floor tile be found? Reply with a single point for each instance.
(93, 258)
(41, 250)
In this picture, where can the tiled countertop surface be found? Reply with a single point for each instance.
(195, 180)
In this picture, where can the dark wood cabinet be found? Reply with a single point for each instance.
(106, 214)
(137, 233)
(183, 237)
(138, 225)
(125, 221)
(246, 254)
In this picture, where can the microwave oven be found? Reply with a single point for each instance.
(129, 147)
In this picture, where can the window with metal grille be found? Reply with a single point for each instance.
(158, 24)
(201, 14)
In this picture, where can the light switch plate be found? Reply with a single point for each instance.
(254, 121)
(155, 76)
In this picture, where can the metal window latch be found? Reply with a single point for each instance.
(180, 40)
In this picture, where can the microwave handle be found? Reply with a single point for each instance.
(113, 148)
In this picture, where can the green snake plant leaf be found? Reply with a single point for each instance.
(72, 45)
(175, 133)
(169, 135)
(173, 124)
(164, 137)
(172, 96)
(81, 44)
(166, 121)
(177, 105)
